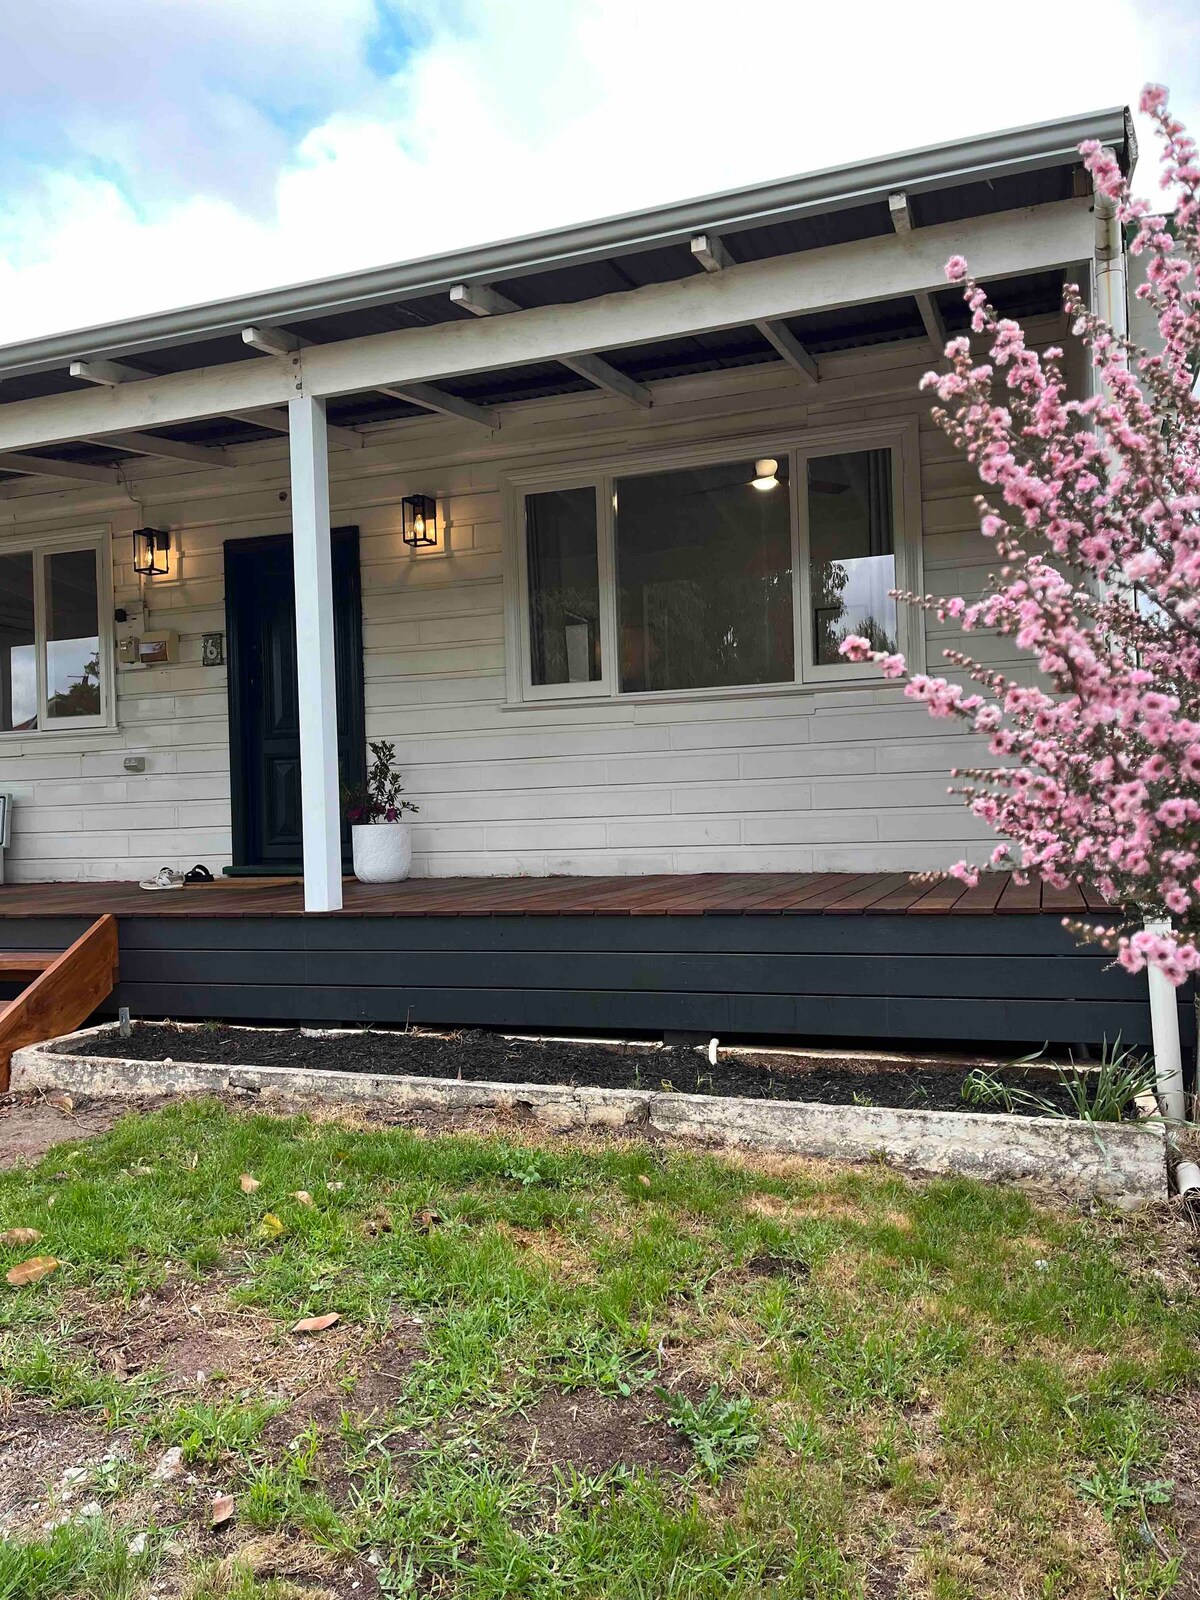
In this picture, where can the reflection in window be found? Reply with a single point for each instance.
(72, 634)
(704, 577)
(564, 586)
(18, 651)
(851, 548)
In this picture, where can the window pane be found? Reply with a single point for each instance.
(564, 586)
(704, 563)
(851, 551)
(72, 635)
(18, 653)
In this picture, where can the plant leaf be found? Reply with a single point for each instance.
(20, 1236)
(31, 1271)
(271, 1225)
(317, 1324)
(248, 1183)
(303, 1196)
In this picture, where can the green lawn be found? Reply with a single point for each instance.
(601, 1369)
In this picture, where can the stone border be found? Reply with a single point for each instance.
(1124, 1164)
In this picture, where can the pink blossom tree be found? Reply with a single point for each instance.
(1093, 508)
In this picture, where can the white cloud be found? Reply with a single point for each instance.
(502, 119)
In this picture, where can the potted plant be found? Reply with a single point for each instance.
(381, 839)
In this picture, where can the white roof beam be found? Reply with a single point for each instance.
(448, 405)
(278, 342)
(1036, 239)
(275, 420)
(146, 444)
(36, 467)
(108, 374)
(711, 254)
(901, 213)
(111, 374)
(785, 344)
(935, 329)
(273, 341)
(483, 301)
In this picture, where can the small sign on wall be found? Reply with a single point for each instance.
(212, 650)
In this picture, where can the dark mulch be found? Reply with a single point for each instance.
(480, 1057)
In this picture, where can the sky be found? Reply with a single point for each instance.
(156, 153)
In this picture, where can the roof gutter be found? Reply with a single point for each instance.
(986, 156)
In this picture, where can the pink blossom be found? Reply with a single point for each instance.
(1097, 780)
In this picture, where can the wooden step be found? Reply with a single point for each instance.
(62, 994)
(22, 966)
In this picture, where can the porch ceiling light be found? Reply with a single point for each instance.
(151, 552)
(766, 470)
(418, 524)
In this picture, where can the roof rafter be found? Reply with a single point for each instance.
(483, 301)
(935, 329)
(40, 467)
(709, 250)
(148, 444)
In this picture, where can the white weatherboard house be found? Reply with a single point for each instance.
(668, 460)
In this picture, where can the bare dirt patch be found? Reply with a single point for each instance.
(297, 1569)
(30, 1125)
(51, 1462)
(594, 1434)
(202, 1340)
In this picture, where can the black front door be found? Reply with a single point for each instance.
(264, 709)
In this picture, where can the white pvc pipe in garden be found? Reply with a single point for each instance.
(1164, 1030)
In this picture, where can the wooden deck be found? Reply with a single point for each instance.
(870, 957)
(692, 895)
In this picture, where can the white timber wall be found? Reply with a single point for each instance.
(811, 779)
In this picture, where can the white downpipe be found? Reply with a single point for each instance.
(1168, 1062)
(1164, 1030)
(1112, 302)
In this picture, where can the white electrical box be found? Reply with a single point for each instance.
(148, 649)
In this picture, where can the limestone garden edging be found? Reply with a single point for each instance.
(1124, 1164)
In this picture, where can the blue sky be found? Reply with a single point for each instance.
(159, 152)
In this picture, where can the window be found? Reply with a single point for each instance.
(53, 642)
(563, 586)
(717, 570)
(851, 552)
(704, 578)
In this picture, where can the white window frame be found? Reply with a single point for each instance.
(901, 437)
(38, 549)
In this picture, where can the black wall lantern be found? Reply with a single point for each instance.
(151, 552)
(419, 520)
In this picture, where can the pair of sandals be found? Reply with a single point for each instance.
(164, 878)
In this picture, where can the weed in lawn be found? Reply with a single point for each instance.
(722, 1432)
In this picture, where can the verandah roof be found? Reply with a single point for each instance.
(1035, 167)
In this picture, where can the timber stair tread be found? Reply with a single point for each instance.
(26, 963)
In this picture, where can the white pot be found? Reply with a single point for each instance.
(382, 851)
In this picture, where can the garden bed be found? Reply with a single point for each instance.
(644, 1089)
(819, 1077)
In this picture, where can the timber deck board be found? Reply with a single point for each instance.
(726, 894)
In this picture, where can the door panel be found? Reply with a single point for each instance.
(264, 714)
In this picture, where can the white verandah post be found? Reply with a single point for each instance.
(316, 678)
